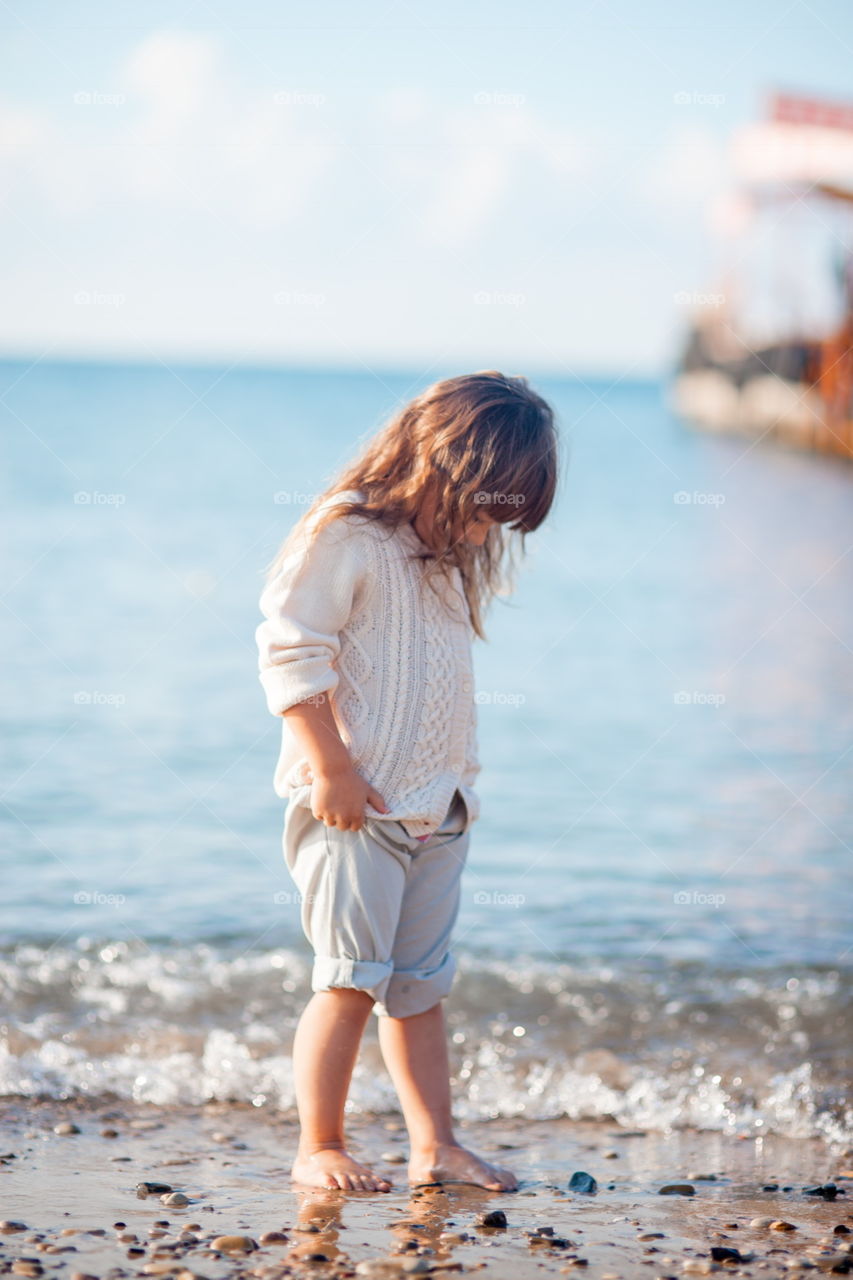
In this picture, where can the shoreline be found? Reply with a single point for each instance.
(231, 1161)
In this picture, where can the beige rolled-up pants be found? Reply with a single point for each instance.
(378, 905)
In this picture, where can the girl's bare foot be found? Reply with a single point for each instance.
(450, 1163)
(333, 1167)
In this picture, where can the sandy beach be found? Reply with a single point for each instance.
(72, 1208)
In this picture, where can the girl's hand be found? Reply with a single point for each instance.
(338, 799)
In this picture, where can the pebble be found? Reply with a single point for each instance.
(720, 1253)
(82, 1275)
(66, 1128)
(677, 1189)
(610, 1155)
(393, 1157)
(275, 1237)
(8, 1227)
(234, 1244)
(27, 1267)
(652, 1235)
(779, 1225)
(174, 1198)
(494, 1219)
(761, 1223)
(109, 1133)
(583, 1182)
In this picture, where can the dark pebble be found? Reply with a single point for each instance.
(677, 1189)
(771, 1186)
(144, 1189)
(827, 1192)
(841, 1230)
(721, 1254)
(583, 1182)
(495, 1218)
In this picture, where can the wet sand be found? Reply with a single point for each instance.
(71, 1206)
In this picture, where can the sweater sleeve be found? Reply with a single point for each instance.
(306, 604)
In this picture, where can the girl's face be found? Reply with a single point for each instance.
(476, 529)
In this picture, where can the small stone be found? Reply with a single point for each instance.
(651, 1235)
(65, 1129)
(174, 1198)
(495, 1219)
(8, 1227)
(720, 1253)
(109, 1133)
(582, 1182)
(771, 1186)
(27, 1267)
(677, 1189)
(610, 1155)
(82, 1275)
(393, 1157)
(275, 1237)
(234, 1244)
(159, 1268)
(841, 1230)
(780, 1225)
(144, 1189)
(762, 1223)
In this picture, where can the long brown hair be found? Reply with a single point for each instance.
(481, 442)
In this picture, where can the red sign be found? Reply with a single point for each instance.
(787, 108)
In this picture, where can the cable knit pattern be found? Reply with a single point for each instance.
(349, 615)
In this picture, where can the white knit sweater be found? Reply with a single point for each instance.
(347, 615)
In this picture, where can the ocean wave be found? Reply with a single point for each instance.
(662, 1047)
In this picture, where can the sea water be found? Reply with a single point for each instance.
(655, 919)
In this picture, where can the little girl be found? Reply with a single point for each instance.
(371, 605)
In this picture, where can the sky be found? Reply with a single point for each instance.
(424, 183)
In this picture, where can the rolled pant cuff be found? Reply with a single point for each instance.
(413, 991)
(359, 975)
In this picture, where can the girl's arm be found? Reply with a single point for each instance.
(305, 606)
(338, 793)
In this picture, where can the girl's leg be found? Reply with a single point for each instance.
(324, 1054)
(415, 1052)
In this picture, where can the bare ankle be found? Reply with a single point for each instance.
(307, 1148)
